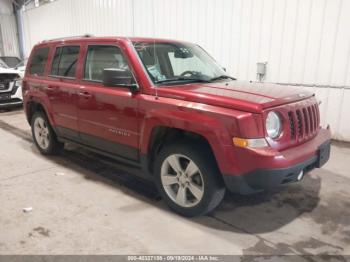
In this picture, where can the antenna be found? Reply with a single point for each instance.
(154, 44)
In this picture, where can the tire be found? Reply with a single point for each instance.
(196, 194)
(44, 136)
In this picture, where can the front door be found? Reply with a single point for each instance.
(107, 116)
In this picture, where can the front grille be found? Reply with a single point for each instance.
(4, 85)
(6, 80)
(8, 77)
(304, 121)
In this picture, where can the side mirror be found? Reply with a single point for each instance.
(119, 77)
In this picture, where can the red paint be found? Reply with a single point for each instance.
(217, 111)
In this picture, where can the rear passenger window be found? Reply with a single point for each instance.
(37, 65)
(65, 61)
(100, 57)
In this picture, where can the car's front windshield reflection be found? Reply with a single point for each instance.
(177, 62)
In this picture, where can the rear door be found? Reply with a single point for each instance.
(62, 89)
(107, 116)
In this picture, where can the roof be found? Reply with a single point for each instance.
(88, 38)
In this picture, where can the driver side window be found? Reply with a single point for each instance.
(100, 57)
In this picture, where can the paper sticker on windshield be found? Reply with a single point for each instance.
(155, 72)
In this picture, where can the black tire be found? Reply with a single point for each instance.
(54, 146)
(214, 188)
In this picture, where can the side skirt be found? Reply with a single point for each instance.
(132, 167)
(135, 167)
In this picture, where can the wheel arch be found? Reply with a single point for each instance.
(33, 106)
(162, 135)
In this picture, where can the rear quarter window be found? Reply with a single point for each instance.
(38, 62)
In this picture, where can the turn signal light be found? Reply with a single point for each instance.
(241, 142)
(254, 143)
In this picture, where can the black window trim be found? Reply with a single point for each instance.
(100, 81)
(64, 77)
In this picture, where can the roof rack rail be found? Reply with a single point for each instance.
(67, 38)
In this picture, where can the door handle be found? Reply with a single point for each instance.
(85, 94)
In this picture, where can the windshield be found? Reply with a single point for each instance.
(178, 62)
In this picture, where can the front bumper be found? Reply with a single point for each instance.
(13, 97)
(11, 103)
(261, 179)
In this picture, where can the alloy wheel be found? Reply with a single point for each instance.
(41, 132)
(182, 180)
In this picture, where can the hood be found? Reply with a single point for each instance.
(11, 71)
(246, 96)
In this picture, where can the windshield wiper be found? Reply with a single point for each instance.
(182, 79)
(222, 77)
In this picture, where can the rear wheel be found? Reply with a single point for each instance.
(43, 135)
(188, 179)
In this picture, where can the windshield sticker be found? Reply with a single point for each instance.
(154, 70)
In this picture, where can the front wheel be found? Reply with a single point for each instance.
(188, 179)
(44, 136)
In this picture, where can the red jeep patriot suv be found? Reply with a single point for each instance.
(169, 109)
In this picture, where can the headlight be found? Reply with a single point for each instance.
(273, 125)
